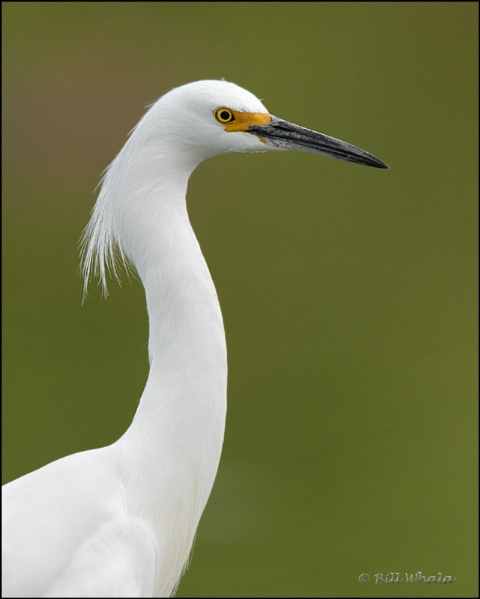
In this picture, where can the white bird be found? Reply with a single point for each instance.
(120, 521)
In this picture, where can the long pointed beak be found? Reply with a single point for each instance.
(287, 136)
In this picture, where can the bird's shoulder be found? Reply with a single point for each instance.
(120, 559)
(66, 517)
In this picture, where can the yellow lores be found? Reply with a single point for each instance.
(234, 120)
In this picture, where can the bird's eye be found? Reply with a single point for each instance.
(224, 115)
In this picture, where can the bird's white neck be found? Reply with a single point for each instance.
(172, 449)
(182, 410)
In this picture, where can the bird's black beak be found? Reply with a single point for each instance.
(287, 136)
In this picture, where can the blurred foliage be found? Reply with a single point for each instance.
(349, 294)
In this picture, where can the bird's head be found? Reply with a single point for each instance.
(184, 127)
(208, 118)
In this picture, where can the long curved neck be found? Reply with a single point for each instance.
(172, 448)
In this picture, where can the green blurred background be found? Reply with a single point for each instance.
(349, 294)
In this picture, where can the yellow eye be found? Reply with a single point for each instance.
(224, 115)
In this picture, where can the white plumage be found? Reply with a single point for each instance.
(119, 521)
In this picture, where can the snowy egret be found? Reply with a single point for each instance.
(120, 521)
